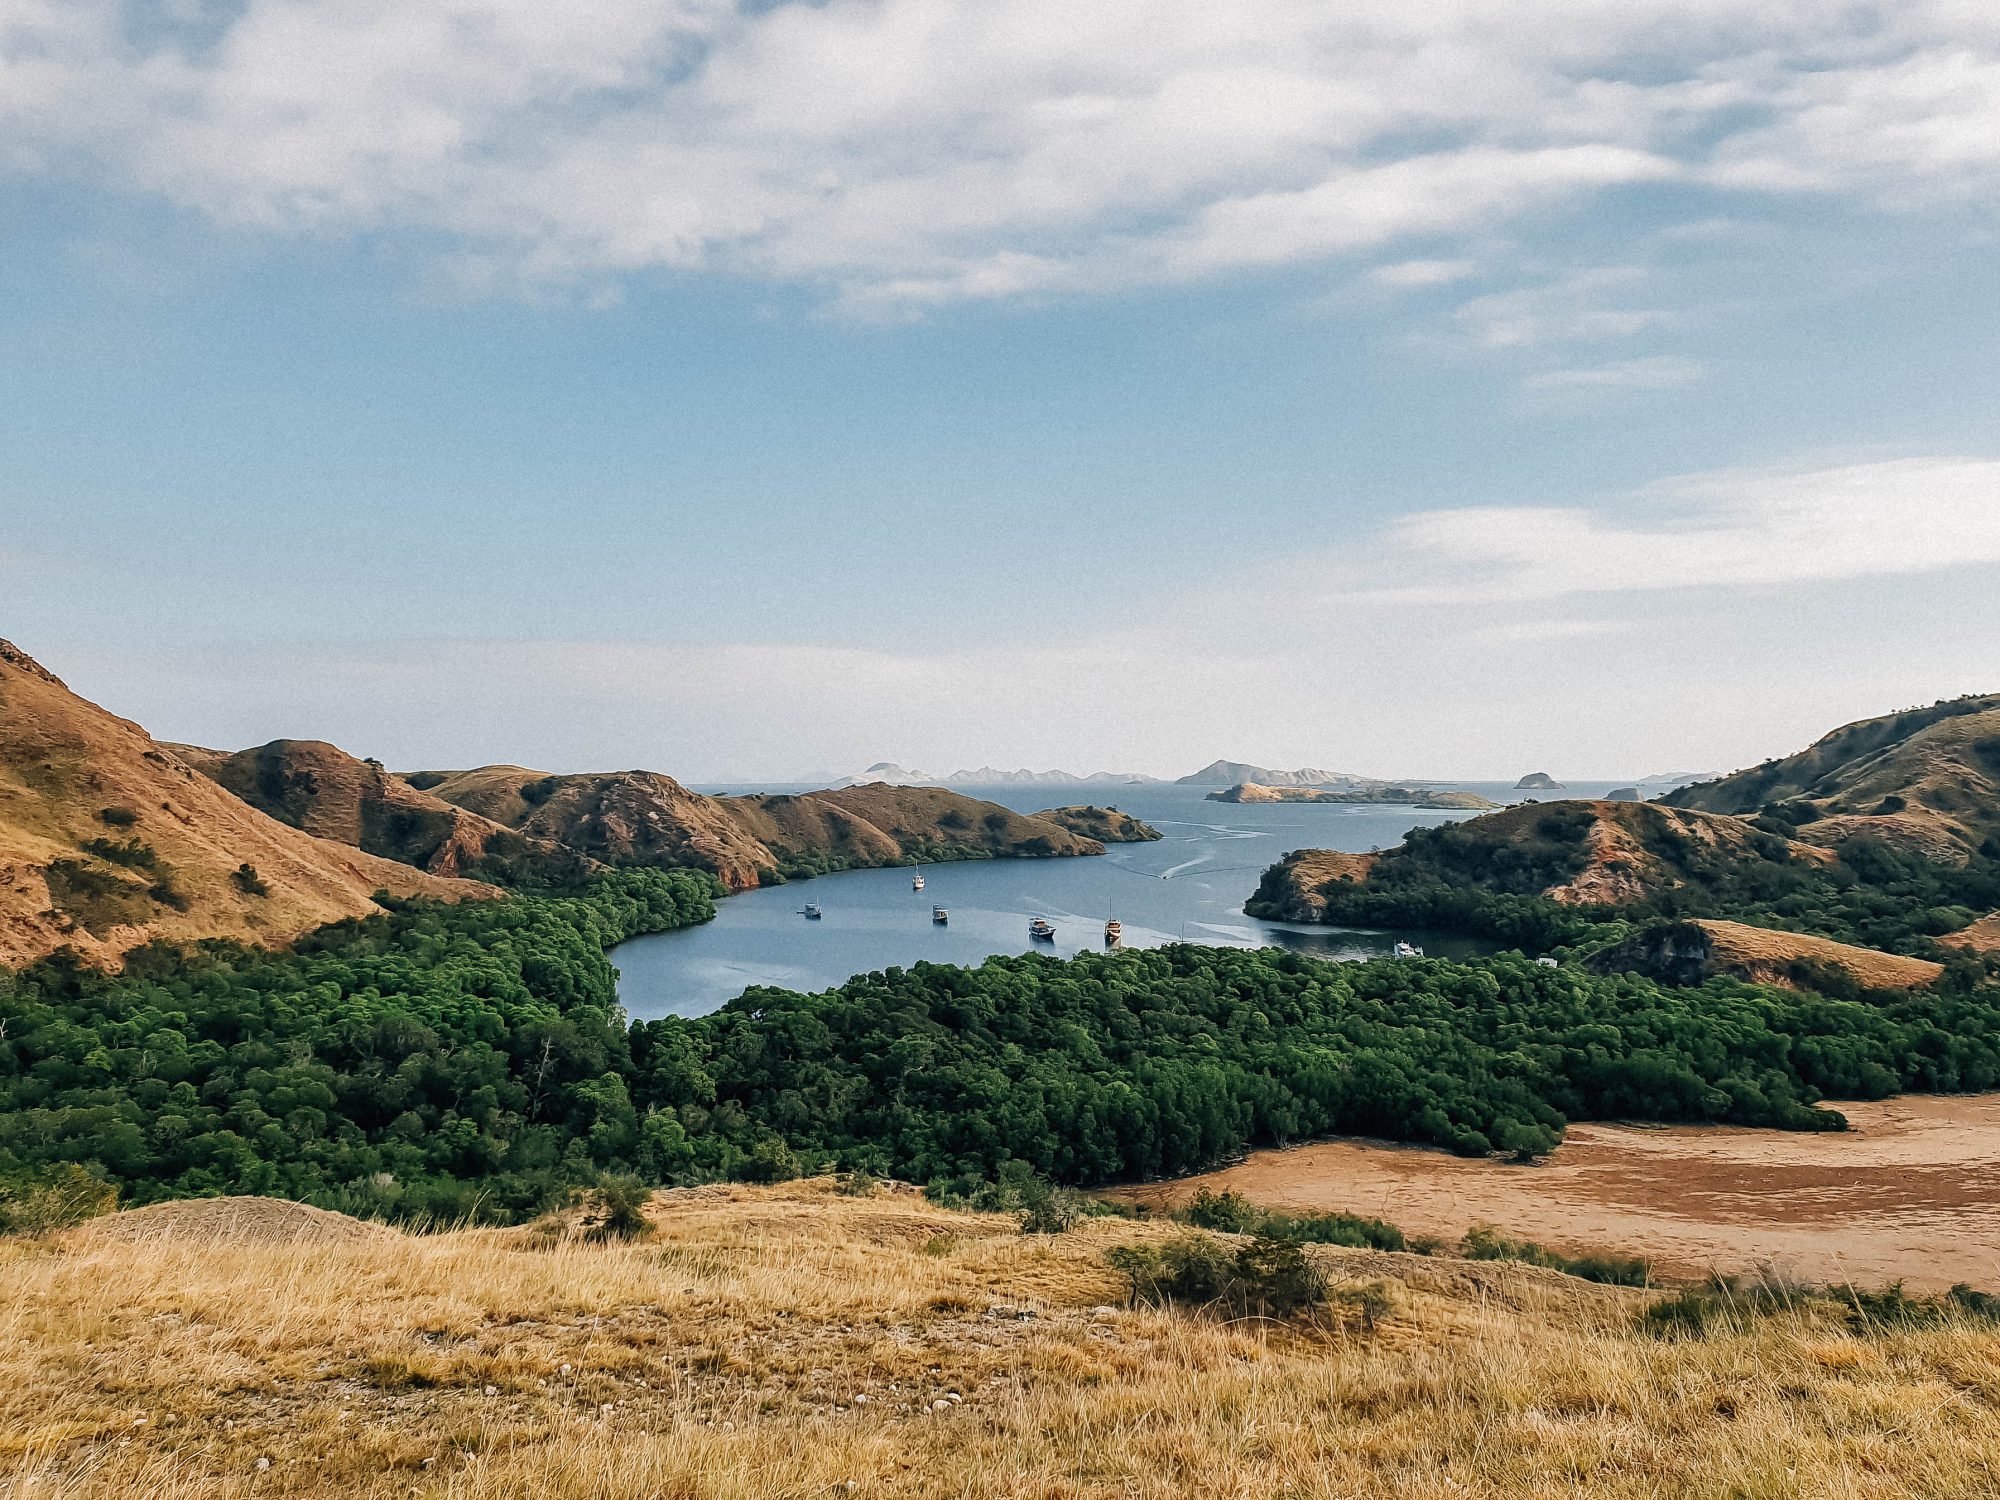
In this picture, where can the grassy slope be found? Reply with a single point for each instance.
(1926, 779)
(725, 1358)
(64, 762)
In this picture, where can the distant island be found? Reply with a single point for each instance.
(1398, 796)
(1220, 773)
(1538, 781)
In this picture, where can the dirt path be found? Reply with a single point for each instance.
(1911, 1192)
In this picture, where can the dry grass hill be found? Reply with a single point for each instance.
(643, 817)
(1926, 780)
(792, 1342)
(323, 790)
(1107, 825)
(109, 839)
(1575, 852)
(617, 817)
(1689, 952)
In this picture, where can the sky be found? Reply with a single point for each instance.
(755, 391)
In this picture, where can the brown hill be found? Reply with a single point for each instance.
(1575, 852)
(1926, 780)
(323, 790)
(1107, 825)
(877, 824)
(1689, 952)
(109, 840)
(617, 817)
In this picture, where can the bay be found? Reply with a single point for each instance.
(1190, 886)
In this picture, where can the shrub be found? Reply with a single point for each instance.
(859, 1183)
(1267, 1278)
(617, 1210)
(1231, 1213)
(1729, 1305)
(117, 817)
(1046, 1209)
(246, 879)
(1487, 1243)
(37, 1202)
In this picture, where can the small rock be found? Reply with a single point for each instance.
(491, 1390)
(860, 1400)
(263, 1464)
(940, 1405)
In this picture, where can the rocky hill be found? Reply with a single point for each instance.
(1689, 952)
(646, 818)
(1393, 796)
(323, 790)
(1231, 772)
(1576, 853)
(1926, 780)
(109, 839)
(1107, 825)
(615, 817)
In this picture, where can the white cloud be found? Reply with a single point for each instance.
(1714, 531)
(919, 151)
(1405, 274)
(1654, 373)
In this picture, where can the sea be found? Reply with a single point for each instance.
(1190, 886)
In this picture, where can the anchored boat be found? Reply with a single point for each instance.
(917, 881)
(810, 912)
(1407, 950)
(1114, 933)
(939, 915)
(1040, 930)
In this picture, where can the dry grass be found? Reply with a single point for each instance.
(1766, 955)
(729, 1356)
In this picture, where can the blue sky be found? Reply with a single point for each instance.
(762, 391)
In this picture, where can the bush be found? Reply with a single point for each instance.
(1486, 1243)
(248, 881)
(117, 817)
(1046, 1209)
(37, 1202)
(1231, 1213)
(1267, 1278)
(617, 1210)
(1730, 1305)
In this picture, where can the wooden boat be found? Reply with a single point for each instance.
(939, 915)
(1114, 933)
(1040, 930)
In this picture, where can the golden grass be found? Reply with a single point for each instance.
(1764, 954)
(731, 1355)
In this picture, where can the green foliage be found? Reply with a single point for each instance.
(134, 854)
(1231, 1213)
(1265, 1278)
(117, 817)
(1875, 896)
(616, 1210)
(246, 879)
(1486, 1243)
(1729, 1305)
(34, 1202)
(440, 1061)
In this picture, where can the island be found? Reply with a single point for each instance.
(1538, 781)
(1396, 796)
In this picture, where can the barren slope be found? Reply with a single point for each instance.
(325, 791)
(618, 817)
(1926, 780)
(108, 840)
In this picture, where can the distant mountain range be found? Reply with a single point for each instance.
(1221, 773)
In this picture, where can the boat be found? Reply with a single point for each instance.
(810, 912)
(1040, 930)
(1406, 950)
(1114, 933)
(939, 915)
(917, 881)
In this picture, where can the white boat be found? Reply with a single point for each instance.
(1114, 933)
(810, 912)
(917, 881)
(939, 915)
(1406, 950)
(1040, 930)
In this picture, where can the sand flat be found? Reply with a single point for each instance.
(1911, 1192)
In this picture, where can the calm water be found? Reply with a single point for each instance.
(1190, 886)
